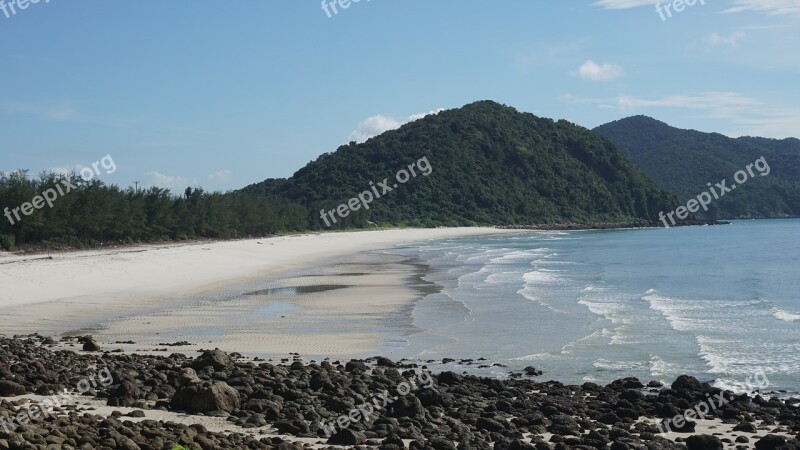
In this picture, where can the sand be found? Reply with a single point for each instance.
(161, 294)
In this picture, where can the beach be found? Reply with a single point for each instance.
(289, 342)
(314, 294)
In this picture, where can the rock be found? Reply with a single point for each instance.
(384, 362)
(11, 389)
(703, 442)
(217, 396)
(89, 344)
(441, 444)
(347, 437)
(485, 423)
(688, 383)
(770, 442)
(217, 359)
(126, 394)
(746, 427)
(609, 418)
(532, 372)
(188, 376)
(355, 366)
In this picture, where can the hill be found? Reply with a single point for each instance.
(684, 161)
(489, 164)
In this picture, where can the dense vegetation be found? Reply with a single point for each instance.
(491, 165)
(95, 214)
(684, 161)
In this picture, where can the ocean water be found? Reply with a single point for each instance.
(720, 303)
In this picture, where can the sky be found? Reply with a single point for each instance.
(224, 94)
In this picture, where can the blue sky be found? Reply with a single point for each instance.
(224, 94)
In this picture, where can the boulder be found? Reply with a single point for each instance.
(347, 437)
(703, 442)
(217, 359)
(217, 396)
(770, 442)
(11, 389)
(89, 344)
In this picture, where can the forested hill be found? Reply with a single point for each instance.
(684, 161)
(481, 164)
(490, 165)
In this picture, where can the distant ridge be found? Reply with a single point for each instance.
(684, 161)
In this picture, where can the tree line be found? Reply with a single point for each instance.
(94, 213)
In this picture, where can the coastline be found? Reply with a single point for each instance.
(194, 292)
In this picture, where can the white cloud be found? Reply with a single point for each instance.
(166, 181)
(748, 116)
(378, 124)
(220, 175)
(60, 112)
(590, 70)
(770, 7)
(623, 4)
(733, 39)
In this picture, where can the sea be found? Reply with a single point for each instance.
(721, 303)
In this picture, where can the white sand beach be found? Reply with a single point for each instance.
(163, 293)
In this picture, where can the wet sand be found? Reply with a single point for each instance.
(318, 295)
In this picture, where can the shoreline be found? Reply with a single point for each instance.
(193, 292)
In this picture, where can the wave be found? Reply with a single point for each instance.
(596, 337)
(698, 315)
(608, 309)
(618, 366)
(786, 316)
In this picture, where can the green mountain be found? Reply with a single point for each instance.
(489, 164)
(685, 161)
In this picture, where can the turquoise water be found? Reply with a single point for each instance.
(718, 303)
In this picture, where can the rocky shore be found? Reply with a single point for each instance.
(375, 403)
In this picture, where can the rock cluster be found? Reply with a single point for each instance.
(464, 412)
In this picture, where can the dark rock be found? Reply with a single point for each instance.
(217, 359)
(685, 382)
(703, 442)
(746, 427)
(770, 442)
(11, 389)
(188, 376)
(441, 444)
(89, 344)
(355, 366)
(347, 437)
(217, 396)
(384, 362)
(532, 372)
